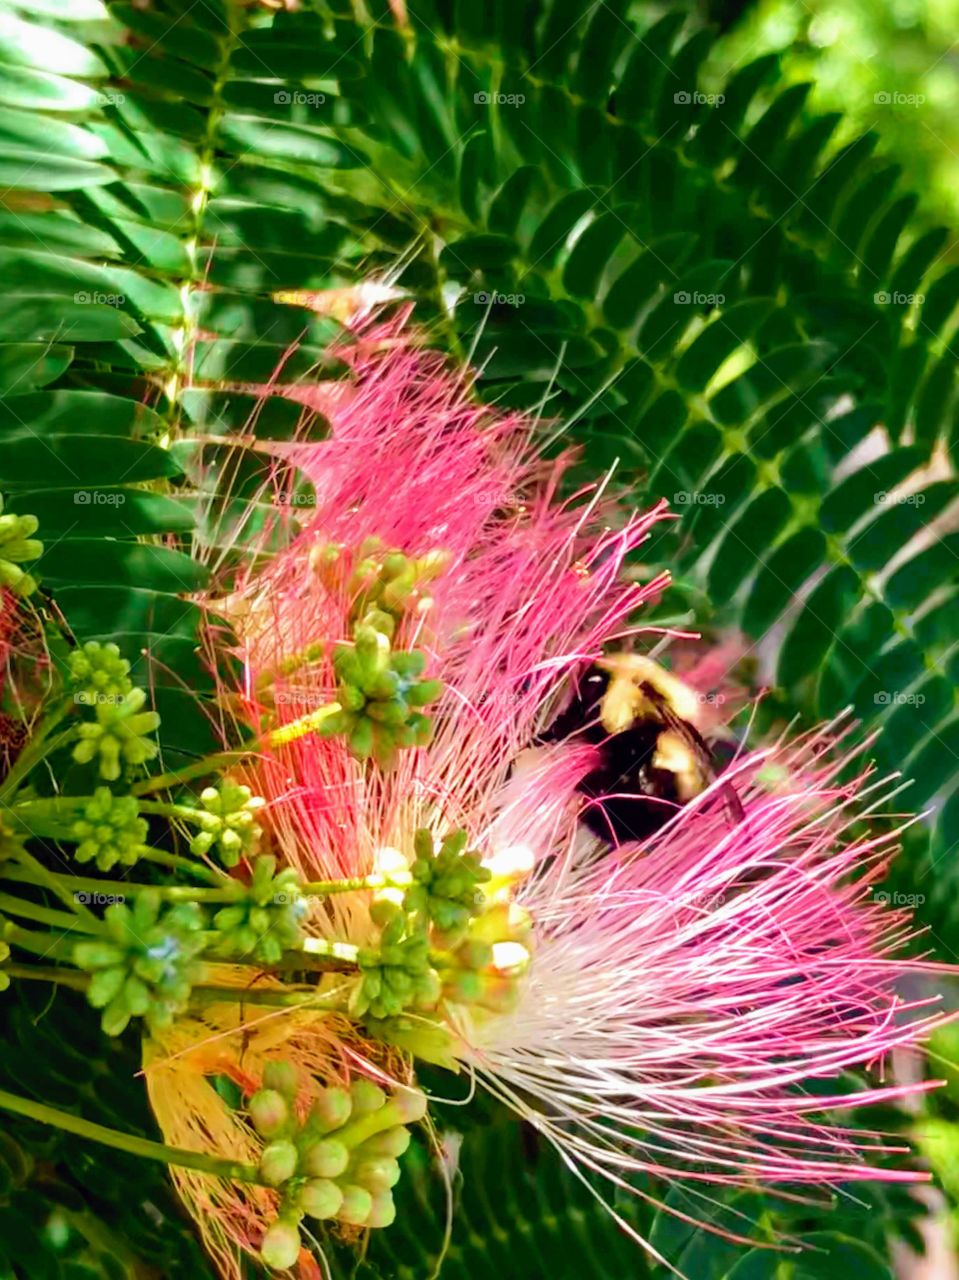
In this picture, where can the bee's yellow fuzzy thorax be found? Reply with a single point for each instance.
(626, 701)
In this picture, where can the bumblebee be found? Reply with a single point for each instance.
(653, 756)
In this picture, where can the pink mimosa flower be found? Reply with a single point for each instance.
(661, 1009)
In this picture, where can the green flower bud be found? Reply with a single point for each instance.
(105, 985)
(146, 965)
(392, 711)
(366, 1096)
(397, 594)
(101, 955)
(227, 823)
(391, 1142)
(417, 732)
(110, 831)
(351, 698)
(427, 990)
(326, 1159)
(380, 621)
(119, 735)
(424, 692)
(326, 559)
(432, 564)
(17, 544)
(348, 1173)
(269, 1112)
(356, 1206)
(281, 1245)
(388, 581)
(446, 882)
(411, 1105)
(331, 1110)
(395, 977)
(321, 1199)
(384, 911)
(372, 650)
(266, 920)
(376, 1174)
(361, 740)
(99, 673)
(409, 665)
(382, 1211)
(377, 689)
(278, 1162)
(395, 563)
(283, 1077)
(398, 982)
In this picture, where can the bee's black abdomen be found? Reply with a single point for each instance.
(634, 799)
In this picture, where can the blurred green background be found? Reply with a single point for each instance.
(888, 65)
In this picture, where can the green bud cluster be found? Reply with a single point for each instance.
(227, 823)
(381, 580)
(391, 581)
(380, 690)
(99, 673)
(18, 544)
(381, 693)
(110, 831)
(397, 975)
(266, 918)
(446, 882)
(340, 1164)
(118, 735)
(145, 964)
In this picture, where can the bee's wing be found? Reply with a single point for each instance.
(700, 749)
(688, 732)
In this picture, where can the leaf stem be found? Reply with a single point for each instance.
(231, 1169)
(186, 865)
(198, 769)
(165, 809)
(127, 888)
(325, 888)
(224, 759)
(45, 915)
(38, 874)
(38, 944)
(280, 998)
(223, 889)
(47, 973)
